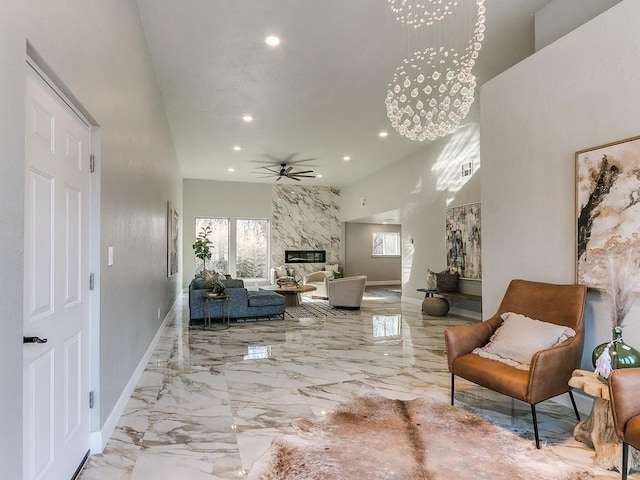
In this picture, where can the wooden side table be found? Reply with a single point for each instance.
(210, 298)
(597, 430)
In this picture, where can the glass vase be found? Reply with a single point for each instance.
(622, 355)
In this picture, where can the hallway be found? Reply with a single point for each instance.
(210, 402)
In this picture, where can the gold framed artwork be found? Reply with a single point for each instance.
(607, 208)
(172, 240)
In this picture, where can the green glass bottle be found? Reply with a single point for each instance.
(622, 355)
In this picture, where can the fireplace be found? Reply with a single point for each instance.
(305, 256)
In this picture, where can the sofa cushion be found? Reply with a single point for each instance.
(199, 283)
(264, 299)
(233, 283)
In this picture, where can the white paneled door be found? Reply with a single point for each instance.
(56, 294)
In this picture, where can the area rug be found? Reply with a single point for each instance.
(313, 307)
(375, 438)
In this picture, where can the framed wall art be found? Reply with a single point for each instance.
(607, 208)
(464, 250)
(172, 240)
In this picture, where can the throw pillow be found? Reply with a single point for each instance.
(431, 280)
(447, 281)
(281, 271)
(519, 337)
(331, 268)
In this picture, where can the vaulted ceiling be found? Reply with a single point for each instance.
(319, 95)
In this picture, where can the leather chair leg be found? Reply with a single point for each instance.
(453, 382)
(535, 425)
(573, 402)
(625, 459)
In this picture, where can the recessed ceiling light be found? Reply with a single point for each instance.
(237, 148)
(232, 169)
(319, 176)
(272, 40)
(247, 118)
(346, 158)
(383, 134)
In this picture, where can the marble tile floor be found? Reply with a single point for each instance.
(210, 402)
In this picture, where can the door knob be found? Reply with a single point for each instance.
(33, 340)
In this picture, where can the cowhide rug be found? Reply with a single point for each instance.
(373, 438)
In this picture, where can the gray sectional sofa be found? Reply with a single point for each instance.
(242, 304)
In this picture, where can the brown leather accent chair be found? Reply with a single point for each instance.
(550, 369)
(624, 385)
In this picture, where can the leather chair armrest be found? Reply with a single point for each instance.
(551, 369)
(624, 385)
(462, 339)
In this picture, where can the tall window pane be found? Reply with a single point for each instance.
(252, 248)
(220, 240)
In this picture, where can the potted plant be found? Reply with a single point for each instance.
(203, 246)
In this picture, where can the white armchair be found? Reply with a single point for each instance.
(319, 280)
(346, 292)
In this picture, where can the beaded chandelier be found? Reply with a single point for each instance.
(432, 91)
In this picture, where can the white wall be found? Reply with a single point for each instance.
(421, 187)
(206, 198)
(12, 79)
(559, 17)
(579, 92)
(98, 50)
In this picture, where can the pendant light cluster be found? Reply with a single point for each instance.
(432, 90)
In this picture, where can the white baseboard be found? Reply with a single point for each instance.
(583, 401)
(100, 438)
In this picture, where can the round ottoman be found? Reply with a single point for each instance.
(435, 306)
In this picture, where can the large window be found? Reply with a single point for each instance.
(386, 244)
(252, 248)
(219, 238)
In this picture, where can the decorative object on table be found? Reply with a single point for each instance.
(172, 240)
(287, 282)
(203, 246)
(619, 292)
(406, 439)
(607, 208)
(216, 287)
(463, 240)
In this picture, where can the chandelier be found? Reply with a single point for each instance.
(417, 14)
(432, 91)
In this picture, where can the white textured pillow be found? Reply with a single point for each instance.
(431, 280)
(519, 337)
(281, 271)
(331, 268)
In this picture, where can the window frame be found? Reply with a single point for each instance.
(383, 254)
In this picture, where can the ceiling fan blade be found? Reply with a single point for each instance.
(303, 176)
(279, 178)
(303, 171)
(288, 170)
(294, 178)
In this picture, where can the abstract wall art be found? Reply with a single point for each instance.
(463, 240)
(607, 208)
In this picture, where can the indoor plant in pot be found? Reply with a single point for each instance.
(620, 290)
(202, 247)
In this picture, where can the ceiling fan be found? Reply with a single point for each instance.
(286, 172)
(284, 169)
